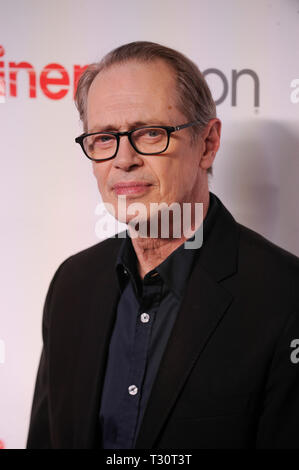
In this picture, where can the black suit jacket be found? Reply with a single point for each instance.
(226, 379)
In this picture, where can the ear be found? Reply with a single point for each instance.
(211, 140)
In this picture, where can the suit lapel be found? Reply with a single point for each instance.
(204, 305)
(195, 324)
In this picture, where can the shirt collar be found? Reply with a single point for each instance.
(174, 270)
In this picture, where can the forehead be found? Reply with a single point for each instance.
(132, 91)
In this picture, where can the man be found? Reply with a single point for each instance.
(148, 344)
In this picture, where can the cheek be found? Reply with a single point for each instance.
(100, 172)
(179, 176)
(168, 172)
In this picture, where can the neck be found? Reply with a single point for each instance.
(151, 252)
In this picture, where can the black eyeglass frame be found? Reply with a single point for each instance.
(169, 130)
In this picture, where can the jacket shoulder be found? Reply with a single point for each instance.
(82, 266)
(264, 261)
(258, 245)
(102, 250)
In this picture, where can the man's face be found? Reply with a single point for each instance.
(121, 98)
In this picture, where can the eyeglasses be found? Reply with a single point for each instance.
(147, 140)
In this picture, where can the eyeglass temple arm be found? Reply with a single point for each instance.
(183, 126)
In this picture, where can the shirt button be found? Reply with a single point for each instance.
(133, 390)
(144, 317)
(125, 271)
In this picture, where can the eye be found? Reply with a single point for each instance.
(151, 133)
(103, 138)
(104, 141)
(154, 132)
(98, 142)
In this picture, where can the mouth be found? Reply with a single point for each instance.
(131, 187)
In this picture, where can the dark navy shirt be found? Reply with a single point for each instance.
(146, 313)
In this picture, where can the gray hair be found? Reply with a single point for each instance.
(193, 94)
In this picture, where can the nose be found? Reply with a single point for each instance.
(126, 158)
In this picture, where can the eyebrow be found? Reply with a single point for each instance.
(133, 125)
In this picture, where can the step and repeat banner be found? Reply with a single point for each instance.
(249, 54)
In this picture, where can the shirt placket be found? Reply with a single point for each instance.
(148, 307)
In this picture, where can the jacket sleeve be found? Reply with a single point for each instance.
(278, 425)
(39, 434)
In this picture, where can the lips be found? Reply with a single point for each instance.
(131, 187)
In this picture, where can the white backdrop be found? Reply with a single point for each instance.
(48, 193)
